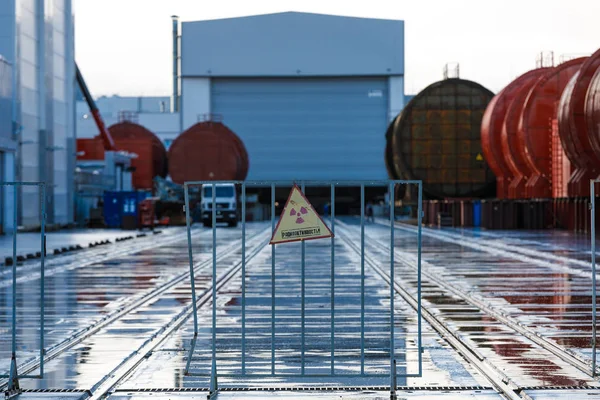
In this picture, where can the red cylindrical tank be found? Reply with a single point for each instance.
(535, 125)
(207, 151)
(512, 148)
(151, 158)
(491, 132)
(580, 146)
(592, 115)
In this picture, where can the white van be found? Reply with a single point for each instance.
(226, 204)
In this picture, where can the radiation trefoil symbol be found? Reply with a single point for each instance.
(298, 214)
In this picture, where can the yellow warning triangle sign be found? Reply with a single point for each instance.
(299, 221)
(479, 157)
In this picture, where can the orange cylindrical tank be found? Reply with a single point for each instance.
(535, 126)
(151, 158)
(512, 149)
(592, 116)
(206, 151)
(581, 148)
(491, 132)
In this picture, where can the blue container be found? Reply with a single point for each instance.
(477, 214)
(112, 209)
(118, 205)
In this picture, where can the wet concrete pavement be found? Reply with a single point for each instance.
(542, 296)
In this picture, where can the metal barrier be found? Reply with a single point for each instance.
(593, 243)
(13, 383)
(332, 185)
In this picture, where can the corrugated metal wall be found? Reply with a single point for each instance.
(307, 128)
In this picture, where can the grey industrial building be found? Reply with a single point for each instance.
(310, 95)
(37, 44)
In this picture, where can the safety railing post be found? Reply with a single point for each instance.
(362, 278)
(333, 279)
(593, 229)
(243, 278)
(213, 379)
(42, 275)
(391, 189)
(188, 224)
(13, 383)
(303, 294)
(273, 282)
(13, 386)
(419, 224)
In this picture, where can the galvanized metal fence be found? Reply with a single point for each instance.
(245, 373)
(13, 376)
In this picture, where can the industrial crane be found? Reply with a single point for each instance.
(107, 140)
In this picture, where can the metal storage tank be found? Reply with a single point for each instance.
(512, 148)
(592, 113)
(437, 139)
(575, 137)
(208, 150)
(535, 126)
(152, 156)
(491, 131)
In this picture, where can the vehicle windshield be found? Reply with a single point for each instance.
(222, 191)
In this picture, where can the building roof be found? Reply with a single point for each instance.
(292, 44)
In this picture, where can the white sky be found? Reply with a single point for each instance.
(124, 46)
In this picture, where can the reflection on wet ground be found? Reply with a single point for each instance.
(440, 363)
(555, 303)
(79, 297)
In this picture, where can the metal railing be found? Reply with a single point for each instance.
(390, 185)
(13, 383)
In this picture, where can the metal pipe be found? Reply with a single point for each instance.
(175, 101)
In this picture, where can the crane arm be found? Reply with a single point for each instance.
(109, 143)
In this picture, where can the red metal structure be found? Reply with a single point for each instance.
(561, 166)
(582, 148)
(151, 157)
(535, 126)
(512, 149)
(208, 150)
(491, 132)
(592, 112)
(107, 140)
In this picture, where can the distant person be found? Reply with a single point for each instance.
(326, 209)
(370, 216)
